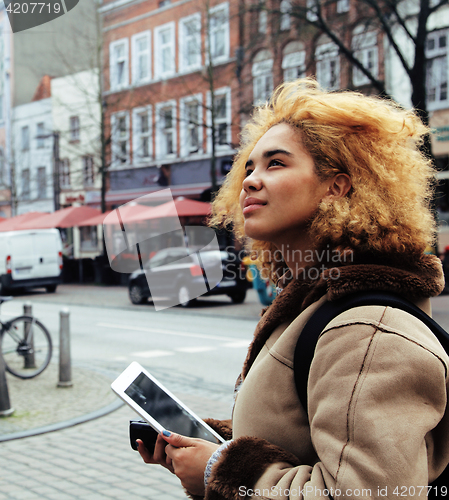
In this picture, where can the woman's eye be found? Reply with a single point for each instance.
(248, 172)
(274, 163)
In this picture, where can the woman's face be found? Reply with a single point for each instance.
(281, 191)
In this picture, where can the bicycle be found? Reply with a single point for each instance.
(25, 345)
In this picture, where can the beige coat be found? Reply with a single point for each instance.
(377, 425)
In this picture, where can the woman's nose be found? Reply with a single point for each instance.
(252, 182)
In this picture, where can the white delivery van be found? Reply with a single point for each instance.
(30, 259)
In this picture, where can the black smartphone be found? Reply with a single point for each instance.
(139, 429)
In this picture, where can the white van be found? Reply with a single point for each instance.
(30, 259)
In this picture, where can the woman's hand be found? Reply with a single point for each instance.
(186, 457)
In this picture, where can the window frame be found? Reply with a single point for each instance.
(161, 152)
(26, 184)
(116, 140)
(64, 173)
(25, 145)
(217, 59)
(362, 45)
(74, 132)
(294, 60)
(41, 183)
(135, 57)
(113, 84)
(40, 132)
(183, 43)
(185, 125)
(158, 59)
(325, 54)
(137, 133)
(88, 165)
(285, 22)
(220, 147)
(442, 55)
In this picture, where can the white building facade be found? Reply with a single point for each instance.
(33, 156)
(76, 118)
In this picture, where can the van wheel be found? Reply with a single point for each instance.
(184, 299)
(51, 288)
(238, 297)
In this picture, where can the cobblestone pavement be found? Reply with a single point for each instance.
(91, 461)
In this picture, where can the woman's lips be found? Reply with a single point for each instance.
(250, 205)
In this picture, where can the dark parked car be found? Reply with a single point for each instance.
(177, 273)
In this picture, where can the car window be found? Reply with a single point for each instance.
(167, 256)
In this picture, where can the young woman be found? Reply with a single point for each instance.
(333, 193)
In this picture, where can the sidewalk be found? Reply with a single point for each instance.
(73, 442)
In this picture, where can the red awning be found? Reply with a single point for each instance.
(14, 222)
(67, 217)
(182, 207)
(133, 212)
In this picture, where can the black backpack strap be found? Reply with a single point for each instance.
(305, 347)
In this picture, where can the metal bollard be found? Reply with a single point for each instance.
(5, 405)
(65, 369)
(29, 361)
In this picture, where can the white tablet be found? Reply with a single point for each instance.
(158, 406)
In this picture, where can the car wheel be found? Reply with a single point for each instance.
(51, 288)
(184, 296)
(135, 295)
(238, 297)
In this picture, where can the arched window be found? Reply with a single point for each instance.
(262, 72)
(294, 61)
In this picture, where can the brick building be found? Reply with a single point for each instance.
(158, 93)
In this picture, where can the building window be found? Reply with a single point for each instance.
(25, 138)
(286, 8)
(190, 43)
(312, 10)
(41, 183)
(437, 69)
(222, 109)
(141, 57)
(88, 238)
(64, 173)
(262, 72)
(294, 61)
(342, 6)
(120, 138)
(88, 171)
(191, 126)
(219, 32)
(26, 184)
(142, 149)
(365, 50)
(74, 128)
(165, 50)
(118, 64)
(2, 167)
(328, 66)
(263, 21)
(166, 129)
(40, 132)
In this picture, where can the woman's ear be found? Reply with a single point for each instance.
(339, 186)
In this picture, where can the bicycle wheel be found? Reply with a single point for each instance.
(26, 346)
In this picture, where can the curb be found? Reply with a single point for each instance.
(63, 425)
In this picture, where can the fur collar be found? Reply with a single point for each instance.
(412, 279)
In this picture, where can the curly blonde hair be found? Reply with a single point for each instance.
(372, 140)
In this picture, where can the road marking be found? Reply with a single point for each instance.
(195, 349)
(152, 354)
(168, 332)
(239, 343)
